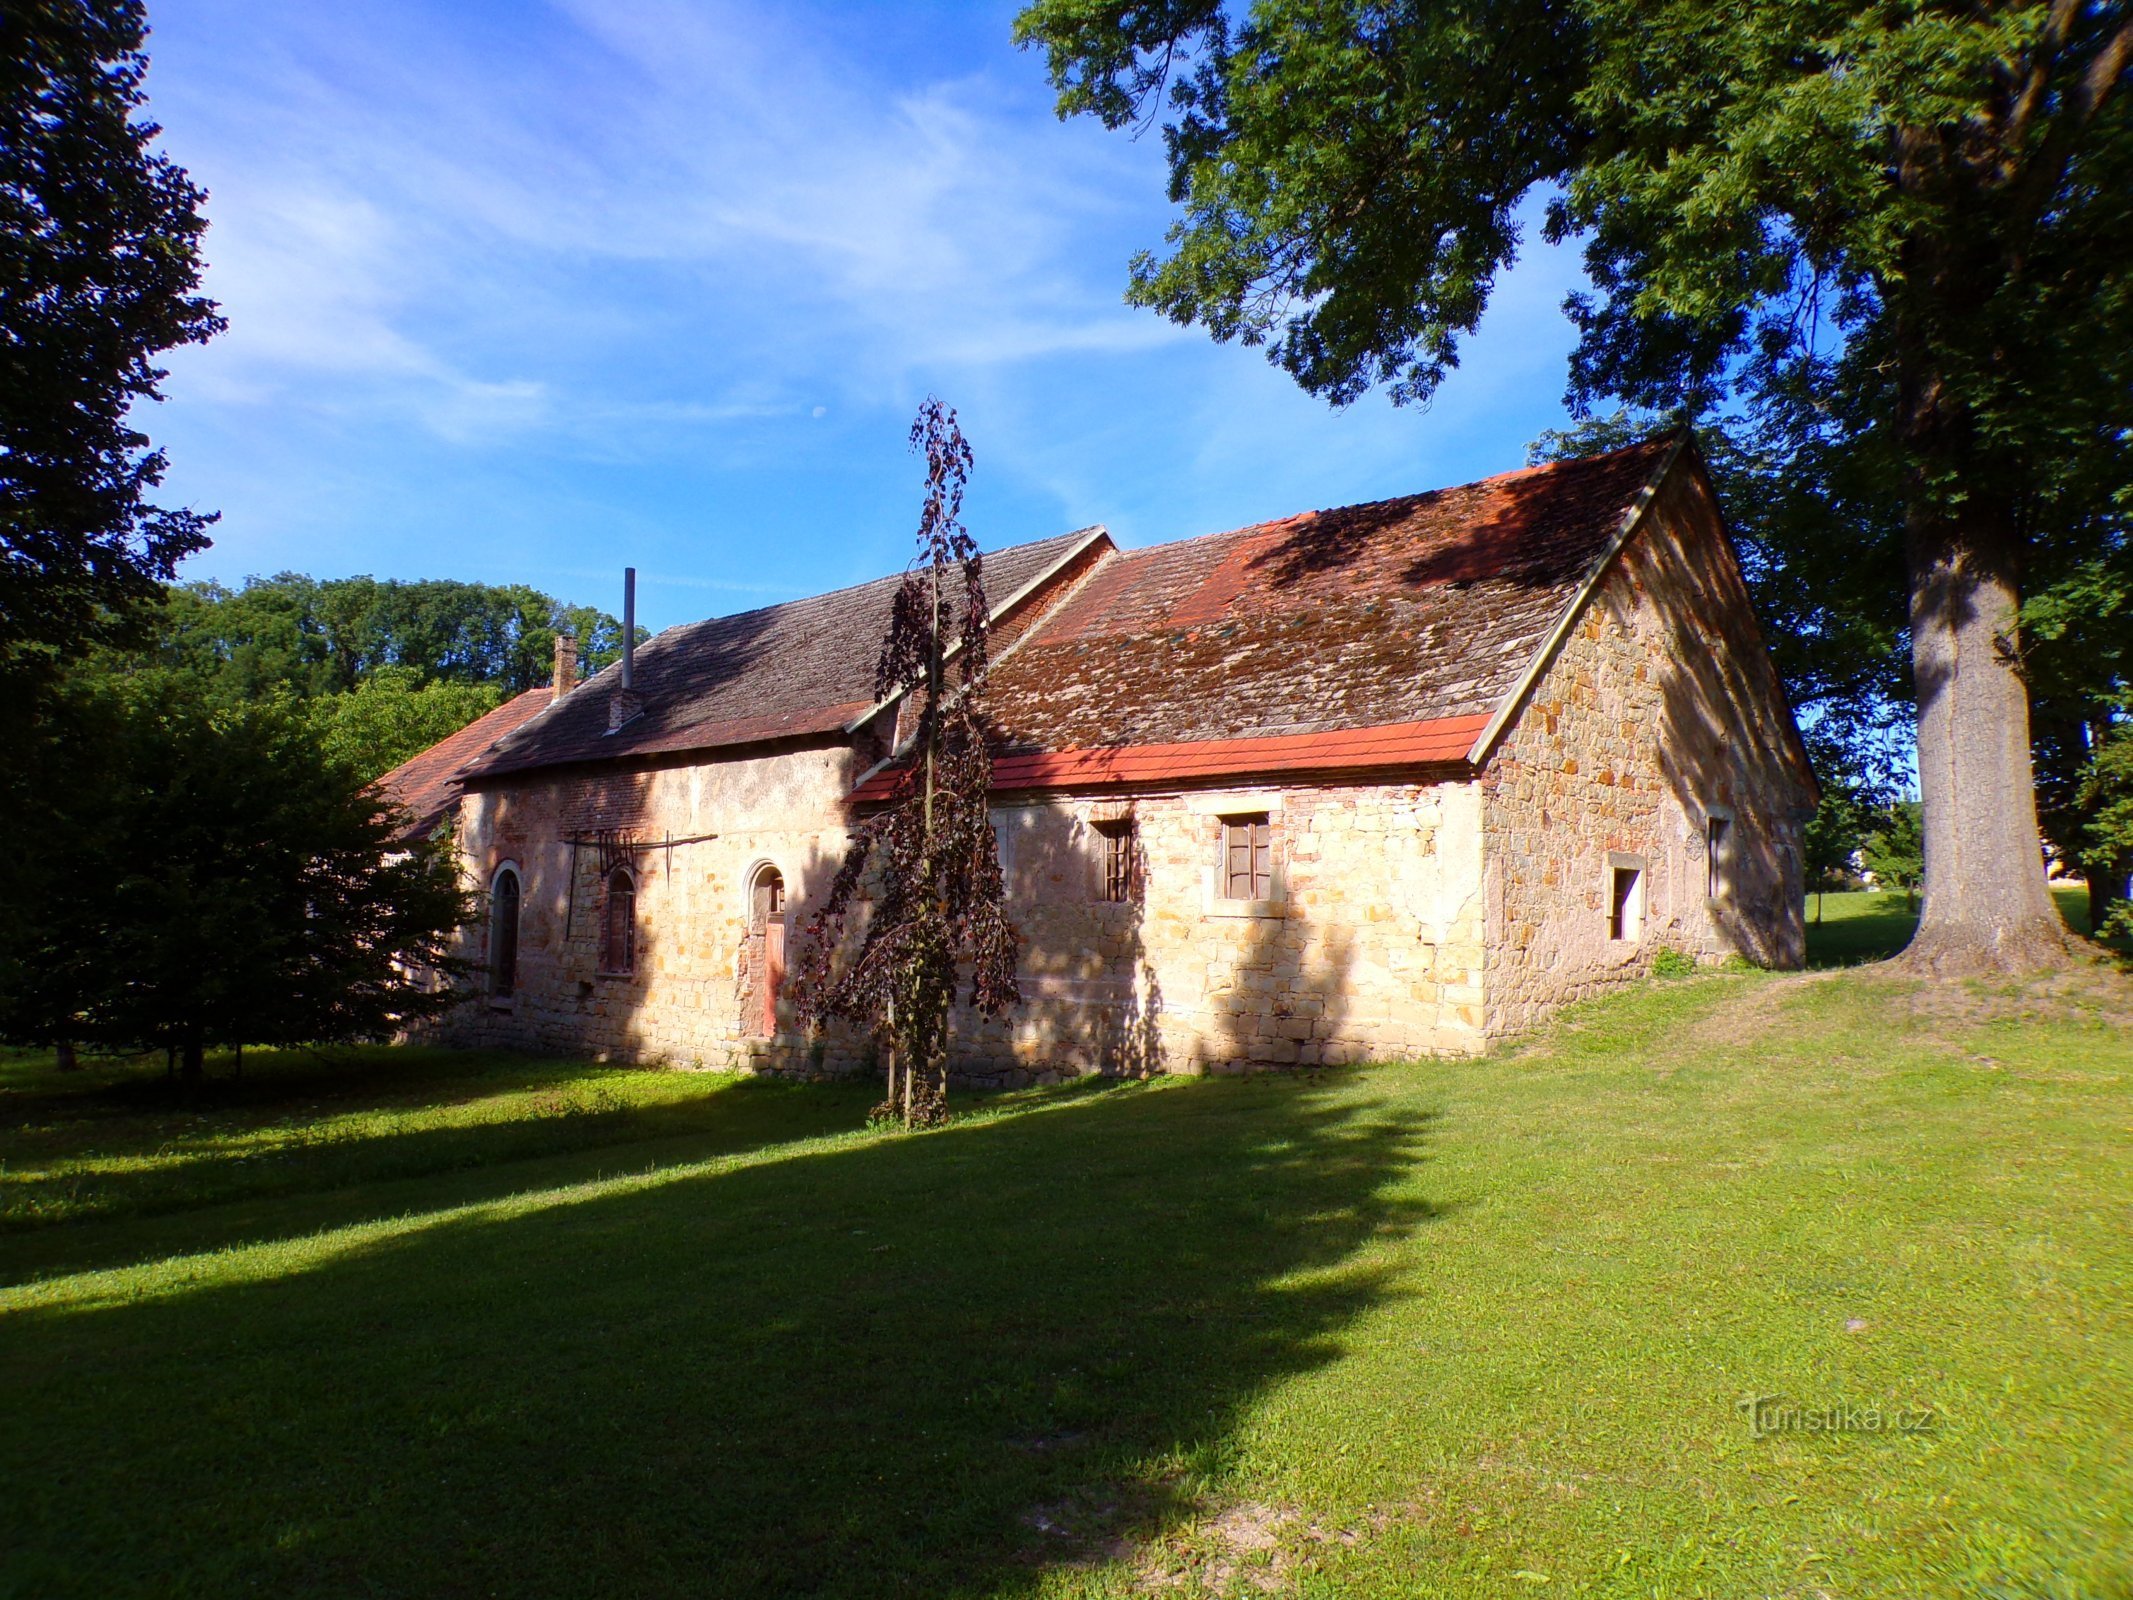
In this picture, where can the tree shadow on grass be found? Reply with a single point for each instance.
(217, 1189)
(932, 1365)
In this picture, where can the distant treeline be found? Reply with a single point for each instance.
(381, 668)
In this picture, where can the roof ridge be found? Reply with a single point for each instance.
(869, 583)
(1538, 469)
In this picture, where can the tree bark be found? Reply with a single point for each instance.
(1987, 906)
(69, 1061)
(192, 1064)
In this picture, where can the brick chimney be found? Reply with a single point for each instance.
(566, 663)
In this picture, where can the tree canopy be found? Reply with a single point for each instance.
(317, 636)
(1899, 243)
(198, 875)
(99, 275)
(382, 668)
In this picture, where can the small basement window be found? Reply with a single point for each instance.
(1717, 855)
(1625, 901)
(1248, 857)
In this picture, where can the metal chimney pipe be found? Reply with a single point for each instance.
(629, 627)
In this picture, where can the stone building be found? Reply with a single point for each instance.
(1391, 780)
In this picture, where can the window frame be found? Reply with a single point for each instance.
(1118, 861)
(1258, 845)
(769, 896)
(1721, 833)
(609, 967)
(1627, 915)
(503, 984)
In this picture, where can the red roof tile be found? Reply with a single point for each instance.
(1404, 744)
(427, 787)
(1405, 612)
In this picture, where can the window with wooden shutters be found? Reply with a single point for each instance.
(1247, 870)
(1120, 864)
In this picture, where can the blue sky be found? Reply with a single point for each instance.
(526, 292)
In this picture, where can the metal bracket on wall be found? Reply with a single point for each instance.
(618, 848)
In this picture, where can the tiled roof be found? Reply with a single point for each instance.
(427, 786)
(1447, 739)
(803, 667)
(1421, 612)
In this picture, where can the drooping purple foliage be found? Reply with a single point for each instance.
(920, 888)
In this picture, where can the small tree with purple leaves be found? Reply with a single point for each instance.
(927, 865)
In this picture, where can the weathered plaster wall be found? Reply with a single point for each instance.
(689, 999)
(1370, 946)
(1660, 709)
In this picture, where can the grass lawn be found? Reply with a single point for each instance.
(1847, 930)
(414, 1324)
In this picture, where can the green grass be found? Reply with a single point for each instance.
(1846, 930)
(430, 1325)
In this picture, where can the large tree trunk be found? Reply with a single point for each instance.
(192, 1057)
(1987, 908)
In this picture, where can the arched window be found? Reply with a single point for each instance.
(764, 970)
(503, 934)
(769, 897)
(618, 934)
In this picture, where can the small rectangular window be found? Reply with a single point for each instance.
(1247, 858)
(1625, 903)
(1718, 855)
(1120, 860)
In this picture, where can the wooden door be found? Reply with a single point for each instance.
(773, 972)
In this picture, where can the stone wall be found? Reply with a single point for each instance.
(1369, 947)
(1660, 712)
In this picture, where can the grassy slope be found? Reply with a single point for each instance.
(1452, 1329)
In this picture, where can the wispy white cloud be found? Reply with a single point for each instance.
(385, 239)
(510, 283)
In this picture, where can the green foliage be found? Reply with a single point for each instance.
(313, 636)
(99, 264)
(2106, 798)
(207, 875)
(1889, 249)
(1668, 962)
(392, 715)
(1895, 848)
(1832, 841)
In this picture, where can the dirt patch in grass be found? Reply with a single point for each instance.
(1248, 1548)
(2085, 994)
(1749, 1014)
